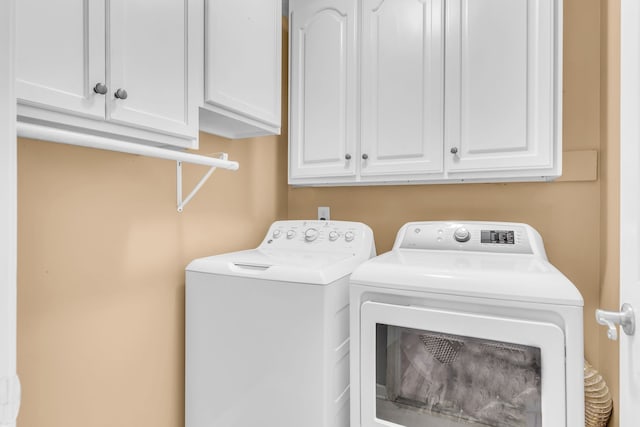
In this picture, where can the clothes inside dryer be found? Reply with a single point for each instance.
(454, 380)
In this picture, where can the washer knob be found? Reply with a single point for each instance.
(311, 234)
(462, 235)
(333, 236)
(276, 234)
(349, 236)
(291, 234)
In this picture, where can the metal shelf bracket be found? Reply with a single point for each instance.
(183, 202)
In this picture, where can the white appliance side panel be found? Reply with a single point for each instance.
(243, 57)
(500, 85)
(258, 351)
(60, 55)
(336, 337)
(546, 336)
(151, 46)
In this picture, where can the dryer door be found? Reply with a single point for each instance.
(426, 367)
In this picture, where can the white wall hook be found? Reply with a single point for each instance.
(625, 318)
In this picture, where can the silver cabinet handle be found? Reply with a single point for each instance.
(121, 94)
(454, 150)
(100, 88)
(365, 156)
(347, 156)
(625, 318)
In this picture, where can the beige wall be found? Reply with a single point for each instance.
(102, 253)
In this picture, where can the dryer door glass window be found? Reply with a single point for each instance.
(437, 368)
(425, 376)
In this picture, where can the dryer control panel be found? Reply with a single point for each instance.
(498, 237)
(319, 235)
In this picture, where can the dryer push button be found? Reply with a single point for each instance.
(462, 235)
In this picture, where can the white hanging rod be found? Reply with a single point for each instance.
(33, 131)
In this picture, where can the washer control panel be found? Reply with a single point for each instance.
(318, 235)
(500, 237)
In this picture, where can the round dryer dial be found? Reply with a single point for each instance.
(349, 236)
(333, 236)
(291, 234)
(461, 235)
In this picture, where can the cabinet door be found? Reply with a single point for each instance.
(323, 89)
(60, 55)
(243, 57)
(402, 87)
(152, 49)
(502, 113)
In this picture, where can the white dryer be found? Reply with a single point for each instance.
(267, 330)
(465, 324)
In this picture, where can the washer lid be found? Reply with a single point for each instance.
(514, 277)
(318, 268)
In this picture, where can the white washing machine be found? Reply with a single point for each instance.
(267, 330)
(465, 324)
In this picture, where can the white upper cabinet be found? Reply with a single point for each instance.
(322, 135)
(126, 69)
(60, 55)
(242, 68)
(501, 114)
(447, 91)
(402, 92)
(149, 52)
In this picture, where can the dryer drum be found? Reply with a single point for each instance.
(443, 350)
(475, 380)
